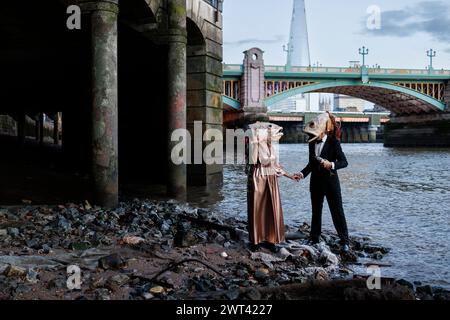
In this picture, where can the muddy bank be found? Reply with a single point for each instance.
(166, 250)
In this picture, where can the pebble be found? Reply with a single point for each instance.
(14, 271)
(32, 276)
(113, 261)
(13, 232)
(157, 290)
(147, 296)
(224, 255)
(119, 279)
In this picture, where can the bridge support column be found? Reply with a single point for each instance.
(357, 135)
(373, 134)
(41, 128)
(418, 131)
(104, 106)
(204, 97)
(177, 41)
(56, 128)
(364, 135)
(253, 86)
(21, 121)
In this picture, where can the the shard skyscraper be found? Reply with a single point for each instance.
(298, 47)
(297, 55)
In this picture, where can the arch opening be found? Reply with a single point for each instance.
(397, 99)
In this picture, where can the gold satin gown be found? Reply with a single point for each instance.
(265, 213)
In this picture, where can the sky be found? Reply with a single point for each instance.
(337, 29)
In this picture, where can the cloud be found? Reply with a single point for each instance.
(276, 39)
(431, 17)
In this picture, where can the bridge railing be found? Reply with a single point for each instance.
(379, 71)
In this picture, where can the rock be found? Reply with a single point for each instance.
(233, 294)
(3, 268)
(299, 261)
(119, 279)
(132, 240)
(98, 283)
(81, 246)
(13, 232)
(268, 259)
(167, 281)
(165, 227)
(14, 271)
(63, 223)
(328, 258)
(102, 294)
(284, 253)
(241, 235)
(184, 239)
(57, 283)
(32, 276)
(46, 249)
(147, 296)
(377, 255)
(157, 290)
(33, 243)
(113, 261)
(373, 248)
(253, 294)
(262, 274)
(296, 236)
(321, 275)
(241, 273)
(405, 283)
(425, 290)
(22, 288)
(203, 214)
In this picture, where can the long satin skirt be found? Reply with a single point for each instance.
(265, 214)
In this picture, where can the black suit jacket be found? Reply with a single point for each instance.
(321, 178)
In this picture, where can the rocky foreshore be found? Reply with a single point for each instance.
(167, 250)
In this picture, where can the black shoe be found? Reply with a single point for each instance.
(254, 247)
(273, 247)
(312, 242)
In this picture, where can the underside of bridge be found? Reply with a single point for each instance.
(109, 86)
(397, 102)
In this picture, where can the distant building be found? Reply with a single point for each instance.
(350, 104)
(325, 104)
(378, 108)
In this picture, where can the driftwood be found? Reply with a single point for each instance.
(177, 263)
(212, 225)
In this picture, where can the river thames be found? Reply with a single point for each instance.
(399, 198)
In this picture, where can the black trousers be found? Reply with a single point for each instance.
(334, 199)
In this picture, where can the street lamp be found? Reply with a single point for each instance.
(364, 52)
(431, 54)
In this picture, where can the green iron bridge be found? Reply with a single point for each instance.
(256, 86)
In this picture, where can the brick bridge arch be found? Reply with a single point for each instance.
(395, 98)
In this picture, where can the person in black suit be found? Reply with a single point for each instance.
(325, 159)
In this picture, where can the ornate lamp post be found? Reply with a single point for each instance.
(364, 52)
(431, 54)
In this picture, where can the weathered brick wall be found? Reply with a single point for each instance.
(204, 81)
(7, 125)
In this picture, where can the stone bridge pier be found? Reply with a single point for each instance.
(119, 87)
(431, 130)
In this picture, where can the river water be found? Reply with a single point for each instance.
(399, 198)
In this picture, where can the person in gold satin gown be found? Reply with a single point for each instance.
(265, 212)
